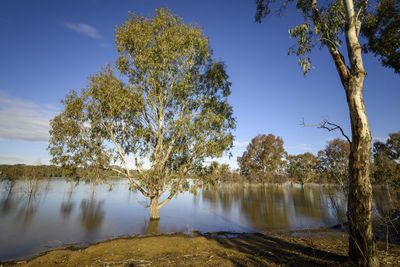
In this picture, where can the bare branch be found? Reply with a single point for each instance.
(325, 124)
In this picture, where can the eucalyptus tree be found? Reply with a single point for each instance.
(329, 24)
(153, 118)
(334, 161)
(302, 167)
(264, 156)
(381, 29)
(386, 160)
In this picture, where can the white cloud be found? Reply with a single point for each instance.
(24, 120)
(12, 159)
(84, 29)
(303, 147)
(240, 143)
(380, 139)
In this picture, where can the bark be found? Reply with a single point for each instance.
(154, 208)
(362, 249)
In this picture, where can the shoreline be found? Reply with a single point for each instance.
(318, 246)
(191, 234)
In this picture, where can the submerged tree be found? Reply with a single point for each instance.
(302, 167)
(330, 24)
(264, 156)
(167, 109)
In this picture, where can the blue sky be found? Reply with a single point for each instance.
(49, 47)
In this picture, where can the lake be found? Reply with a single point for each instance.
(37, 216)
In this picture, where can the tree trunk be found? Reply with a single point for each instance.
(152, 228)
(154, 208)
(362, 250)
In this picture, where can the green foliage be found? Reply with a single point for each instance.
(334, 161)
(324, 23)
(49, 171)
(166, 107)
(386, 168)
(324, 27)
(215, 172)
(302, 167)
(381, 29)
(29, 171)
(264, 157)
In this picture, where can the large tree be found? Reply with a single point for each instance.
(264, 157)
(330, 24)
(334, 161)
(153, 118)
(302, 167)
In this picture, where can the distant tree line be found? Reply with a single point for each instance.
(265, 160)
(18, 171)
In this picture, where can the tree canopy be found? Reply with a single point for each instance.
(334, 161)
(386, 160)
(163, 105)
(302, 167)
(264, 156)
(381, 29)
(324, 26)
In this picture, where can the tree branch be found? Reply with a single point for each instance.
(171, 195)
(360, 15)
(325, 124)
(337, 57)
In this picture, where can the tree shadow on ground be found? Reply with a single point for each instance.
(260, 250)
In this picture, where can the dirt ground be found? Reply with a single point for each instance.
(327, 247)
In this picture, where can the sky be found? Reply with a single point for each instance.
(49, 47)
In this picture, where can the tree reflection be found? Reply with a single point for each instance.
(266, 206)
(311, 203)
(261, 205)
(275, 206)
(383, 201)
(92, 213)
(67, 205)
(30, 201)
(337, 202)
(8, 203)
(151, 227)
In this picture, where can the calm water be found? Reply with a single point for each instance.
(38, 216)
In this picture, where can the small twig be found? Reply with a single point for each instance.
(328, 126)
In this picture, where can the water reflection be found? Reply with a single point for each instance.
(384, 201)
(8, 203)
(36, 213)
(68, 205)
(92, 213)
(337, 204)
(33, 191)
(151, 227)
(276, 206)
